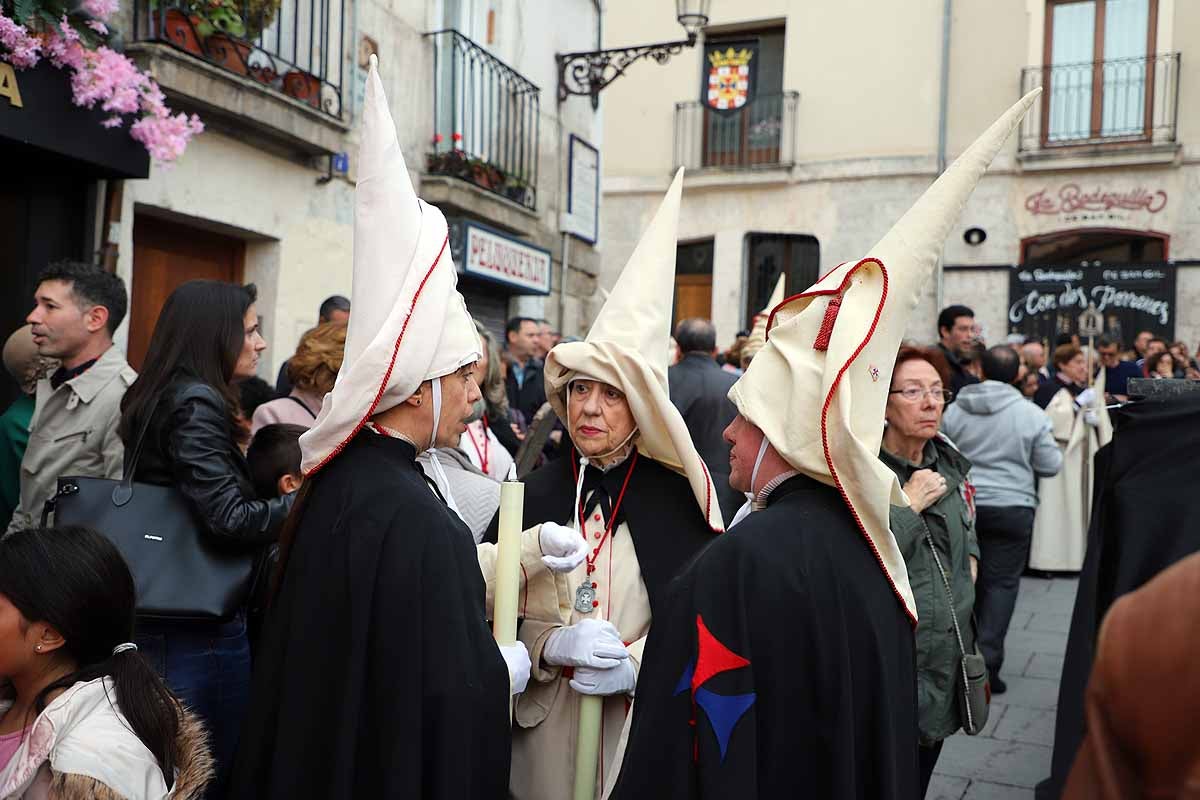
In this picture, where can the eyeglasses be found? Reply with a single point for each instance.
(914, 394)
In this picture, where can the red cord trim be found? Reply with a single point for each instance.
(708, 482)
(388, 373)
(826, 331)
(825, 417)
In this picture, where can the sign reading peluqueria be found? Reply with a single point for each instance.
(498, 257)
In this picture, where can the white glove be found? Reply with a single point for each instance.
(1085, 398)
(1091, 417)
(563, 548)
(517, 659)
(620, 679)
(591, 643)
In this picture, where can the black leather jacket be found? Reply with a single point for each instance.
(190, 445)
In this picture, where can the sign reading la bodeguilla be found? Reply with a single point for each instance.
(1096, 205)
(1044, 301)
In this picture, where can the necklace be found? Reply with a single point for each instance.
(483, 454)
(585, 595)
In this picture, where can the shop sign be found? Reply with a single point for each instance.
(498, 257)
(1073, 203)
(1047, 300)
(9, 89)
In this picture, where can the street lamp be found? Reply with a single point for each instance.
(587, 72)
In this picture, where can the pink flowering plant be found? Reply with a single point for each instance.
(73, 35)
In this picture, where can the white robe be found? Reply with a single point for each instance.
(1065, 500)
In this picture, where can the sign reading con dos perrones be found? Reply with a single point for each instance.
(1045, 301)
(498, 257)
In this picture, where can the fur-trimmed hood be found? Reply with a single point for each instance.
(82, 748)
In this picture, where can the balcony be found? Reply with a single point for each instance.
(760, 134)
(289, 48)
(485, 121)
(1102, 105)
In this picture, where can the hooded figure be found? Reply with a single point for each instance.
(758, 327)
(638, 493)
(378, 674)
(782, 661)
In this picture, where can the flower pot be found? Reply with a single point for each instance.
(177, 28)
(228, 52)
(303, 86)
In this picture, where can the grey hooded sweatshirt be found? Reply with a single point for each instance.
(1008, 440)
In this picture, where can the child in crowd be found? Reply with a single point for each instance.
(274, 460)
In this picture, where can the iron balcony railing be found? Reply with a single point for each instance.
(293, 47)
(485, 120)
(1120, 100)
(762, 133)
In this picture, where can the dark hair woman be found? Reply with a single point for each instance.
(205, 341)
(83, 715)
(934, 476)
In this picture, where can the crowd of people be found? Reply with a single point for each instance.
(784, 570)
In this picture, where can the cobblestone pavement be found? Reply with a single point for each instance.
(1012, 753)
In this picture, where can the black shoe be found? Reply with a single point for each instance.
(998, 685)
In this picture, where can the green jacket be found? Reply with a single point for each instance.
(951, 522)
(14, 435)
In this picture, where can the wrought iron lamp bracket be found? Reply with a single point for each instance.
(586, 73)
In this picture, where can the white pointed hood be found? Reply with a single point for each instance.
(627, 348)
(819, 386)
(758, 327)
(408, 323)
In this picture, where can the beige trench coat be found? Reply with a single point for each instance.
(73, 432)
(1065, 500)
(546, 714)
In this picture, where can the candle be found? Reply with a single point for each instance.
(587, 746)
(508, 562)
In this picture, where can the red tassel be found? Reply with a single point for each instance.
(831, 312)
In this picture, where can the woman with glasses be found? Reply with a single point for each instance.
(941, 512)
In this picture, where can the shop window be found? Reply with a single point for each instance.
(770, 255)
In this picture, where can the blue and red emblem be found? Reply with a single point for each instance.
(714, 658)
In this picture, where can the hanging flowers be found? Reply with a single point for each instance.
(100, 76)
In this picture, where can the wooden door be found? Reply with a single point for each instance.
(166, 254)
(693, 297)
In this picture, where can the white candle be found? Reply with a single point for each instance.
(508, 562)
(587, 746)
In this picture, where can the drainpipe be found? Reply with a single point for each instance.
(943, 105)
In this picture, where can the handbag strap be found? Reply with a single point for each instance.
(130, 467)
(302, 404)
(953, 616)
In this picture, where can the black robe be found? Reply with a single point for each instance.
(1144, 514)
(781, 665)
(378, 676)
(664, 520)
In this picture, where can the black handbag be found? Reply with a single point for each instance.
(180, 570)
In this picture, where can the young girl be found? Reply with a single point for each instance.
(83, 715)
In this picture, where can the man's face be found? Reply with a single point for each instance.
(459, 393)
(960, 335)
(1110, 355)
(744, 438)
(1035, 355)
(62, 326)
(1155, 346)
(523, 343)
(1142, 340)
(545, 340)
(1076, 370)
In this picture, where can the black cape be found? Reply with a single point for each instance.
(664, 520)
(802, 661)
(378, 675)
(1144, 514)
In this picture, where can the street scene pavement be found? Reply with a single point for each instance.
(1012, 753)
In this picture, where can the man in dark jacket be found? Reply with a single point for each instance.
(699, 389)
(526, 388)
(1009, 442)
(956, 332)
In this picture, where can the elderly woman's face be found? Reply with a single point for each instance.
(914, 407)
(600, 417)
